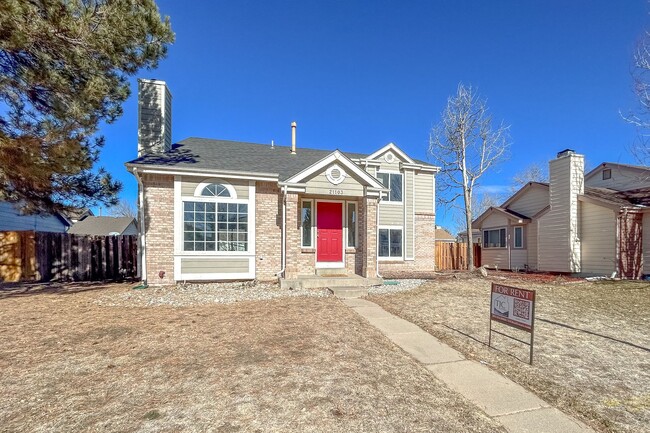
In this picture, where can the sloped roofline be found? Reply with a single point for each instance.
(522, 191)
(602, 165)
(394, 148)
(345, 161)
(508, 213)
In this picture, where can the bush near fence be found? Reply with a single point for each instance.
(453, 256)
(40, 256)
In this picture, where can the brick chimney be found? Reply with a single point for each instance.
(154, 117)
(559, 236)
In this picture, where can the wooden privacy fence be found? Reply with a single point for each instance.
(40, 256)
(453, 256)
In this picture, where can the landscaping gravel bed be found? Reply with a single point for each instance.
(401, 286)
(185, 295)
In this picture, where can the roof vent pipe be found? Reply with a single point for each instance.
(293, 138)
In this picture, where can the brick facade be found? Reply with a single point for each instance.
(268, 229)
(159, 227)
(425, 258)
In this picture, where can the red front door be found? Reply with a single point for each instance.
(329, 228)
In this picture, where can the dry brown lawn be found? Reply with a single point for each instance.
(592, 341)
(69, 364)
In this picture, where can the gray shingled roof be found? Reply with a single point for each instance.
(222, 155)
(100, 225)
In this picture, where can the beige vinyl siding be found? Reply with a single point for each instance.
(559, 246)
(214, 265)
(495, 258)
(319, 184)
(409, 183)
(189, 184)
(646, 243)
(518, 257)
(391, 214)
(623, 178)
(424, 194)
(531, 247)
(598, 234)
(530, 203)
(494, 221)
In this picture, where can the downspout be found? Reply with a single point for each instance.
(283, 247)
(143, 250)
(377, 237)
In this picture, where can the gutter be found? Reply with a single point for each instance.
(142, 231)
(283, 246)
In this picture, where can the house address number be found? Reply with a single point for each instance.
(336, 192)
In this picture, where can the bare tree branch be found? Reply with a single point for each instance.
(465, 146)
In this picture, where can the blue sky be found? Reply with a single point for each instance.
(357, 75)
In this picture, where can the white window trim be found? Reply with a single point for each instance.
(178, 236)
(313, 217)
(215, 180)
(514, 237)
(386, 201)
(356, 224)
(390, 258)
(492, 229)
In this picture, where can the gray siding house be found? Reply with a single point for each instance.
(228, 210)
(11, 219)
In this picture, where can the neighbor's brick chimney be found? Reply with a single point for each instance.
(154, 117)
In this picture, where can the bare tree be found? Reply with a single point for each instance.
(480, 203)
(640, 118)
(124, 208)
(533, 173)
(465, 146)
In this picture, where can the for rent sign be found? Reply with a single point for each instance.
(513, 306)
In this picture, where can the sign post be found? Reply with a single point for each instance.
(513, 307)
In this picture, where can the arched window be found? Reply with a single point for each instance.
(215, 190)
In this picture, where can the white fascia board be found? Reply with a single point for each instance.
(367, 162)
(341, 158)
(394, 148)
(270, 177)
(420, 167)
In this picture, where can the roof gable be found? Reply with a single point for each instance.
(345, 162)
(391, 149)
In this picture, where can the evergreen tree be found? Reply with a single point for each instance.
(64, 68)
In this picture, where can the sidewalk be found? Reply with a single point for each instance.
(517, 409)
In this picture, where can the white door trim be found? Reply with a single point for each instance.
(341, 264)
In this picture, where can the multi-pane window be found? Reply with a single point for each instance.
(392, 181)
(352, 225)
(494, 238)
(390, 243)
(215, 226)
(305, 223)
(215, 190)
(519, 237)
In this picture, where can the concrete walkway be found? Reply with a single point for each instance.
(517, 409)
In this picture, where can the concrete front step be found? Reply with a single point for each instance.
(315, 282)
(349, 292)
(331, 272)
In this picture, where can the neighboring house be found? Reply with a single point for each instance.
(223, 210)
(11, 219)
(476, 236)
(76, 215)
(443, 235)
(585, 224)
(105, 226)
